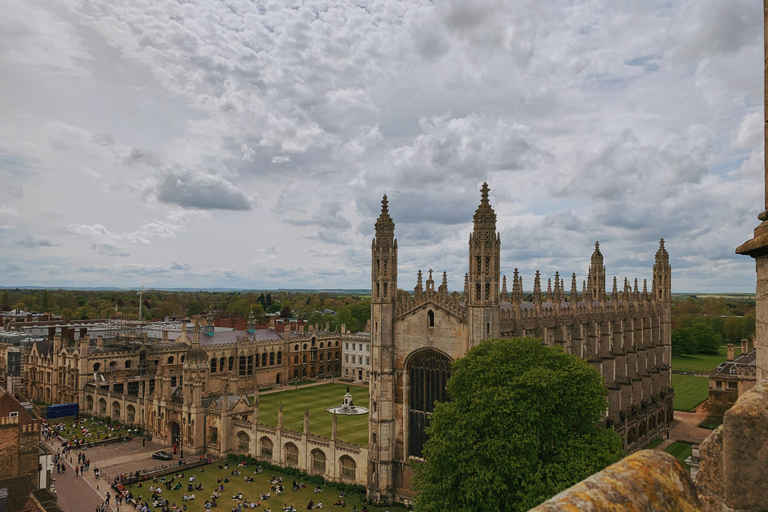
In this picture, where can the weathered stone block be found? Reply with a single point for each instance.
(710, 475)
(647, 480)
(745, 451)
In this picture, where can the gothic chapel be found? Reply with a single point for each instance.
(625, 335)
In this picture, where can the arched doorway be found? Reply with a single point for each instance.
(428, 372)
(175, 433)
(88, 403)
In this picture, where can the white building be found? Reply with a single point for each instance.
(356, 356)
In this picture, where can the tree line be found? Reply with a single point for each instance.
(353, 311)
(702, 325)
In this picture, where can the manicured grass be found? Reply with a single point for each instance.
(353, 429)
(98, 430)
(710, 423)
(680, 451)
(250, 490)
(653, 444)
(690, 391)
(702, 363)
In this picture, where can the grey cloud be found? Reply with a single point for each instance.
(201, 190)
(138, 156)
(32, 241)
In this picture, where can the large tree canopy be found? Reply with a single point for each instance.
(523, 423)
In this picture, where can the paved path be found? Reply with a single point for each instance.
(686, 427)
(84, 493)
(289, 386)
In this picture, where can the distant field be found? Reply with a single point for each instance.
(690, 391)
(701, 363)
(353, 429)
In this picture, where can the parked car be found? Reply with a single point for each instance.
(161, 455)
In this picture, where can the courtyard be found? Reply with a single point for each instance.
(352, 429)
(89, 429)
(250, 491)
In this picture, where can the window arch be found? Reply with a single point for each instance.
(322, 345)
(304, 358)
(222, 362)
(264, 359)
(213, 365)
(231, 362)
(430, 318)
(291, 455)
(266, 448)
(250, 365)
(348, 467)
(170, 360)
(279, 357)
(243, 442)
(271, 359)
(305, 346)
(96, 367)
(296, 348)
(295, 359)
(112, 365)
(127, 364)
(242, 365)
(428, 372)
(318, 461)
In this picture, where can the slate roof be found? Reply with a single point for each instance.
(743, 361)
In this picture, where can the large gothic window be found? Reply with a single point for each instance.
(428, 373)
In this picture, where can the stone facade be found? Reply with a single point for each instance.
(733, 377)
(625, 335)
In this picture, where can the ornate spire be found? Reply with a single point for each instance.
(596, 276)
(443, 289)
(485, 218)
(504, 294)
(419, 285)
(466, 288)
(645, 289)
(430, 282)
(636, 292)
(385, 227)
(537, 287)
(615, 291)
(517, 288)
(549, 290)
(574, 289)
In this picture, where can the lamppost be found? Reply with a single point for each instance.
(296, 382)
(181, 442)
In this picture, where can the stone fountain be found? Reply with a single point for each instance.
(348, 407)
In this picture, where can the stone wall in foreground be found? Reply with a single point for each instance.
(646, 481)
(733, 476)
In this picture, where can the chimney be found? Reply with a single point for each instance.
(327, 326)
(100, 341)
(744, 346)
(165, 335)
(730, 351)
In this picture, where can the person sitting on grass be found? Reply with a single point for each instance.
(199, 487)
(238, 496)
(319, 504)
(318, 489)
(257, 470)
(207, 504)
(247, 479)
(177, 486)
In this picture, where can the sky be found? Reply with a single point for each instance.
(247, 144)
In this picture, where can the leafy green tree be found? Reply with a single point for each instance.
(684, 342)
(194, 308)
(45, 301)
(706, 338)
(6, 300)
(274, 308)
(732, 329)
(748, 326)
(523, 423)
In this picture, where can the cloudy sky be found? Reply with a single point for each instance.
(247, 144)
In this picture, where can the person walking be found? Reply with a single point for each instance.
(107, 498)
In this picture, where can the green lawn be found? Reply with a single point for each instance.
(95, 430)
(353, 429)
(680, 451)
(690, 391)
(250, 490)
(653, 444)
(702, 363)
